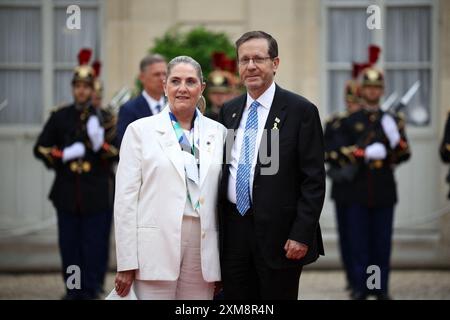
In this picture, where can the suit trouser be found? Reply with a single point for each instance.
(343, 230)
(84, 242)
(370, 244)
(190, 284)
(245, 274)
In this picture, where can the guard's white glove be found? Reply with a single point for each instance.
(95, 132)
(375, 151)
(74, 151)
(391, 130)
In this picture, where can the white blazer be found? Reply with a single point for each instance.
(151, 193)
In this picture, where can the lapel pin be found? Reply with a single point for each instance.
(275, 124)
(234, 115)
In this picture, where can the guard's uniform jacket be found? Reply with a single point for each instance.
(85, 185)
(374, 183)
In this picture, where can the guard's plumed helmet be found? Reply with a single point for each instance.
(84, 72)
(372, 77)
(221, 81)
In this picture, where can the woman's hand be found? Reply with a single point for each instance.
(123, 282)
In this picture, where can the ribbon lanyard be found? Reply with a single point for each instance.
(183, 140)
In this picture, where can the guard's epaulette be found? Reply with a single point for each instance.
(330, 119)
(59, 107)
(343, 114)
(400, 119)
(333, 117)
(400, 116)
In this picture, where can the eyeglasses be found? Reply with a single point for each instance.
(256, 60)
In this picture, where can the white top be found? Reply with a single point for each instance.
(265, 101)
(189, 136)
(188, 209)
(153, 103)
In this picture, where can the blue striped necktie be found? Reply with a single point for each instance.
(246, 159)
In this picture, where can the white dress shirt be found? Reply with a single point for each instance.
(153, 103)
(265, 101)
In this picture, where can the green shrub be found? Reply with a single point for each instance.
(198, 43)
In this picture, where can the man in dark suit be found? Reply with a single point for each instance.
(153, 70)
(269, 210)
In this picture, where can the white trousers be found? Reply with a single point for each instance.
(190, 284)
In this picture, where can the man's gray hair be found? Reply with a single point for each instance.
(185, 59)
(151, 59)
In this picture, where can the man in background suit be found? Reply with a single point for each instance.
(269, 222)
(153, 70)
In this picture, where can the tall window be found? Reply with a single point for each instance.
(30, 31)
(20, 62)
(406, 43)
(408, 55)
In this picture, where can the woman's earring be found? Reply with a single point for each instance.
(201, 104)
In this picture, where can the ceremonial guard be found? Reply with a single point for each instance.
(341, 170)
(376, 144)
(445, 147)
(222, 84)
(220, 88)
(78, 143)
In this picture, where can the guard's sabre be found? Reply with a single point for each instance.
(389, 101)
(410, 93)
(406, 98)
(119, 99)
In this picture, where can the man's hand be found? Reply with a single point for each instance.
(124, 280)
(295, 250)
(74, 151)
(217, 287)
(95, 132)
(375, 151)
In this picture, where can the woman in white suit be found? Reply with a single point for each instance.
(166, 193)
